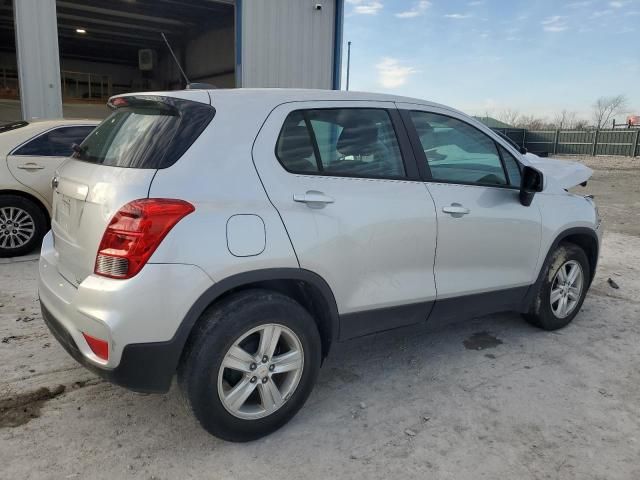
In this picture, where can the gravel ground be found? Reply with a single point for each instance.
(489, 398)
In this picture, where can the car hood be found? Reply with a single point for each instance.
(565, 173)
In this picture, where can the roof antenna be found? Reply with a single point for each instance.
(175, 59)
(190, 86)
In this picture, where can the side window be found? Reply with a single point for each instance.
(458, 152)
(359, 142)
(512, 166)
(55, 143)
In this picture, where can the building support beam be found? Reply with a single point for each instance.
(38, 58)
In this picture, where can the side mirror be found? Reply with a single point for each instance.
(523, 150)
(532, 182)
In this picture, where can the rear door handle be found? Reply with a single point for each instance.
(30, 166)
(456, 210)
(312, 198)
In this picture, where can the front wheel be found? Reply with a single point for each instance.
(250, 365)
(562, 289)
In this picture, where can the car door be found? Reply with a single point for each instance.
(35, 161)
(343, 178)
(488, 243)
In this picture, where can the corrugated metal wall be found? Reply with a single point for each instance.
(287, 43)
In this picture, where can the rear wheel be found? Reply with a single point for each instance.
(250, 365)
(22, 225)
(562, 290)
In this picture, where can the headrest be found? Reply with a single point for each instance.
(294, 144)
(358, 139)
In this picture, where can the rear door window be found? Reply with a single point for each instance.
(146, 133)
(355, 142)
(55, 143)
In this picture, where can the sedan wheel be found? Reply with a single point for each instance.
(17, 227)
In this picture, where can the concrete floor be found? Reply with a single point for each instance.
(412, 403)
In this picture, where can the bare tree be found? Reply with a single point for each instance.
(509, 116)
(564, 120)
(606, 108)
(581, 124)
(531, 122)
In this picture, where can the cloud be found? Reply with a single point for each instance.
(457, 16)
(475, 3)
(366, 7)
(601, 13)
(392, 74)
(417, 10)
(584, 3)
(555, 23)
(618, 4)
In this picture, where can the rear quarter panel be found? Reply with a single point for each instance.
(218, 177)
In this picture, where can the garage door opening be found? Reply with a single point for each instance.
(108, 48)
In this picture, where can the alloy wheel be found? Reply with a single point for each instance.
(17, 227)
(260, 371)
(566, 289)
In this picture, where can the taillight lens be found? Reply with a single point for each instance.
(135, 232)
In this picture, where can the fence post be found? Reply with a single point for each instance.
(555, 141)
(595, 142)
(636, 144)
(524, 138)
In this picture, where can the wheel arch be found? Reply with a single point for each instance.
(583, 237)
(306, 287)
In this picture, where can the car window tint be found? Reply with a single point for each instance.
(56, 142)
(357, 142)
(512, 166)
(295, 149)
(458, 152)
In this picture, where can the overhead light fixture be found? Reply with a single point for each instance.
(81, 30)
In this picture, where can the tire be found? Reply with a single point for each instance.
(547, 314)
(206, 385)
(31, 222)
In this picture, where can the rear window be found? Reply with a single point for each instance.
(146, 133)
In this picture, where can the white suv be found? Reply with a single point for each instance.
(232, 236)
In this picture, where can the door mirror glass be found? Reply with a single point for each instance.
(532, 182)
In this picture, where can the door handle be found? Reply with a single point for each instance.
(30, 166)
(456, 210)
(312, 198)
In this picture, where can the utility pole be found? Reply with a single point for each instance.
(348, 61)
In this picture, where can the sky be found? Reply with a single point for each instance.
(487, 56)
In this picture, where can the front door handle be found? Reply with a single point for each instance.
(456, 210)
(30, 166)
(313, 199)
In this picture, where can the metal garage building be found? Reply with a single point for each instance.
(69, 56)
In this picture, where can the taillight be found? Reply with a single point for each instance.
(135, 232)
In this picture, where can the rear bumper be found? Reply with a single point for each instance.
(144, 367)
(139, 318)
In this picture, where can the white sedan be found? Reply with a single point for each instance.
(30, 153)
